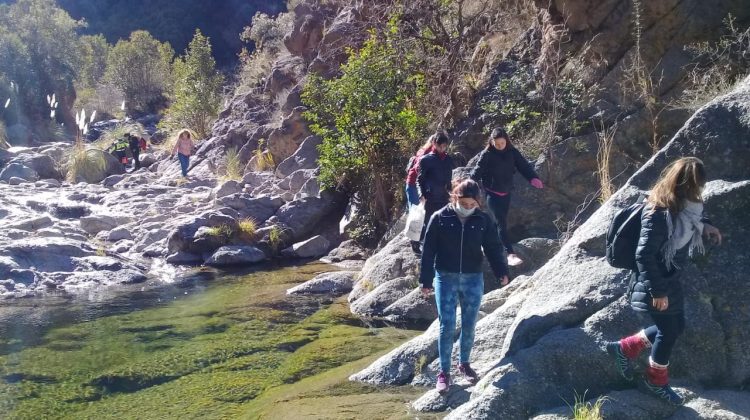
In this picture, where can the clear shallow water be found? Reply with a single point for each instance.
(209, 346)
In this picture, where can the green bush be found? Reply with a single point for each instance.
(196, 89)
(369, 122)
(39, 55)
(140, 67)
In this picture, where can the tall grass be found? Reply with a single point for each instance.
(263, 159)
(585, 410)
(233, 166)
(4, 145)
(85, 164)
(274, 239)
(248, 228)
(603, 156)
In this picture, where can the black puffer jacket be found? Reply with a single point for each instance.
(495, 168)
(434, 179)
(652, 278)
(454, 247)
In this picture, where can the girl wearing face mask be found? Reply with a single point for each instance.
(672, 226)
(456, 237)
(497, 164)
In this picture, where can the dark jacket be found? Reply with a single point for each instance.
(454, 247)
(652, 278)
(495, 168)
(434, 178)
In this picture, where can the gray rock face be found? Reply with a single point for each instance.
(259, 209)
(316, 246)
(347, 250)
(335, 283)
(236, 255)
(227, 188)
(284, 141)
(412, 307)
(95, 224)
(395, 260)
(19, 171)
(373, 303)
(183, 237)
(118, 234)
(303, 216)
(305, 157)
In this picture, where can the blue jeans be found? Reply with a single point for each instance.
(412, 196)
(467, 290)
(184, 162)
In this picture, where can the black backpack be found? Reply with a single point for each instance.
(623, 235)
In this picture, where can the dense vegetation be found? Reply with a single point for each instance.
(44, 54)
(173, 21)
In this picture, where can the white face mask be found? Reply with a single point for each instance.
(463, 212)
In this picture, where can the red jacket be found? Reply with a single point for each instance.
(411, 175)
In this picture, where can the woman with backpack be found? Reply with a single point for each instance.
(435, 172)
(672, 226)
(497, 164)
(456, 237)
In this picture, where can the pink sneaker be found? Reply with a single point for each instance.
(468, 373)
(443, 382)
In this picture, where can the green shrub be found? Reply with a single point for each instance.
(232, 165)
(196, 89)
(140, 67)
(369, 121)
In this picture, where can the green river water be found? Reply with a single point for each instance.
(211, 346)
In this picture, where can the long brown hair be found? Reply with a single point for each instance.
(499, 132)
(682, 180)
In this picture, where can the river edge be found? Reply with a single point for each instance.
(183, 358)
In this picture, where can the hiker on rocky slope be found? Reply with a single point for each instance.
(452, 255)
(412, 192)
(672, 226)
(497, 164)
(184, 148)
(435, 172)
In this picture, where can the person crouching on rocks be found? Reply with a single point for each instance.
(672, 225)
(435, 173)
(452, 255)
(497, 164)
(184, 148)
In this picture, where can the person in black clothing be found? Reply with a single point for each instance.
(134, 144)
(456, 237)
(434, 179)
(497, 164)
(672, 225)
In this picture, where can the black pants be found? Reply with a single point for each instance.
(663, 334)
(136, 162)
(500, 206)
(430, 207)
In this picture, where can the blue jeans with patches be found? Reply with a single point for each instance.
(467, 290)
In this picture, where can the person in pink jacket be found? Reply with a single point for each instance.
(184, 148)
